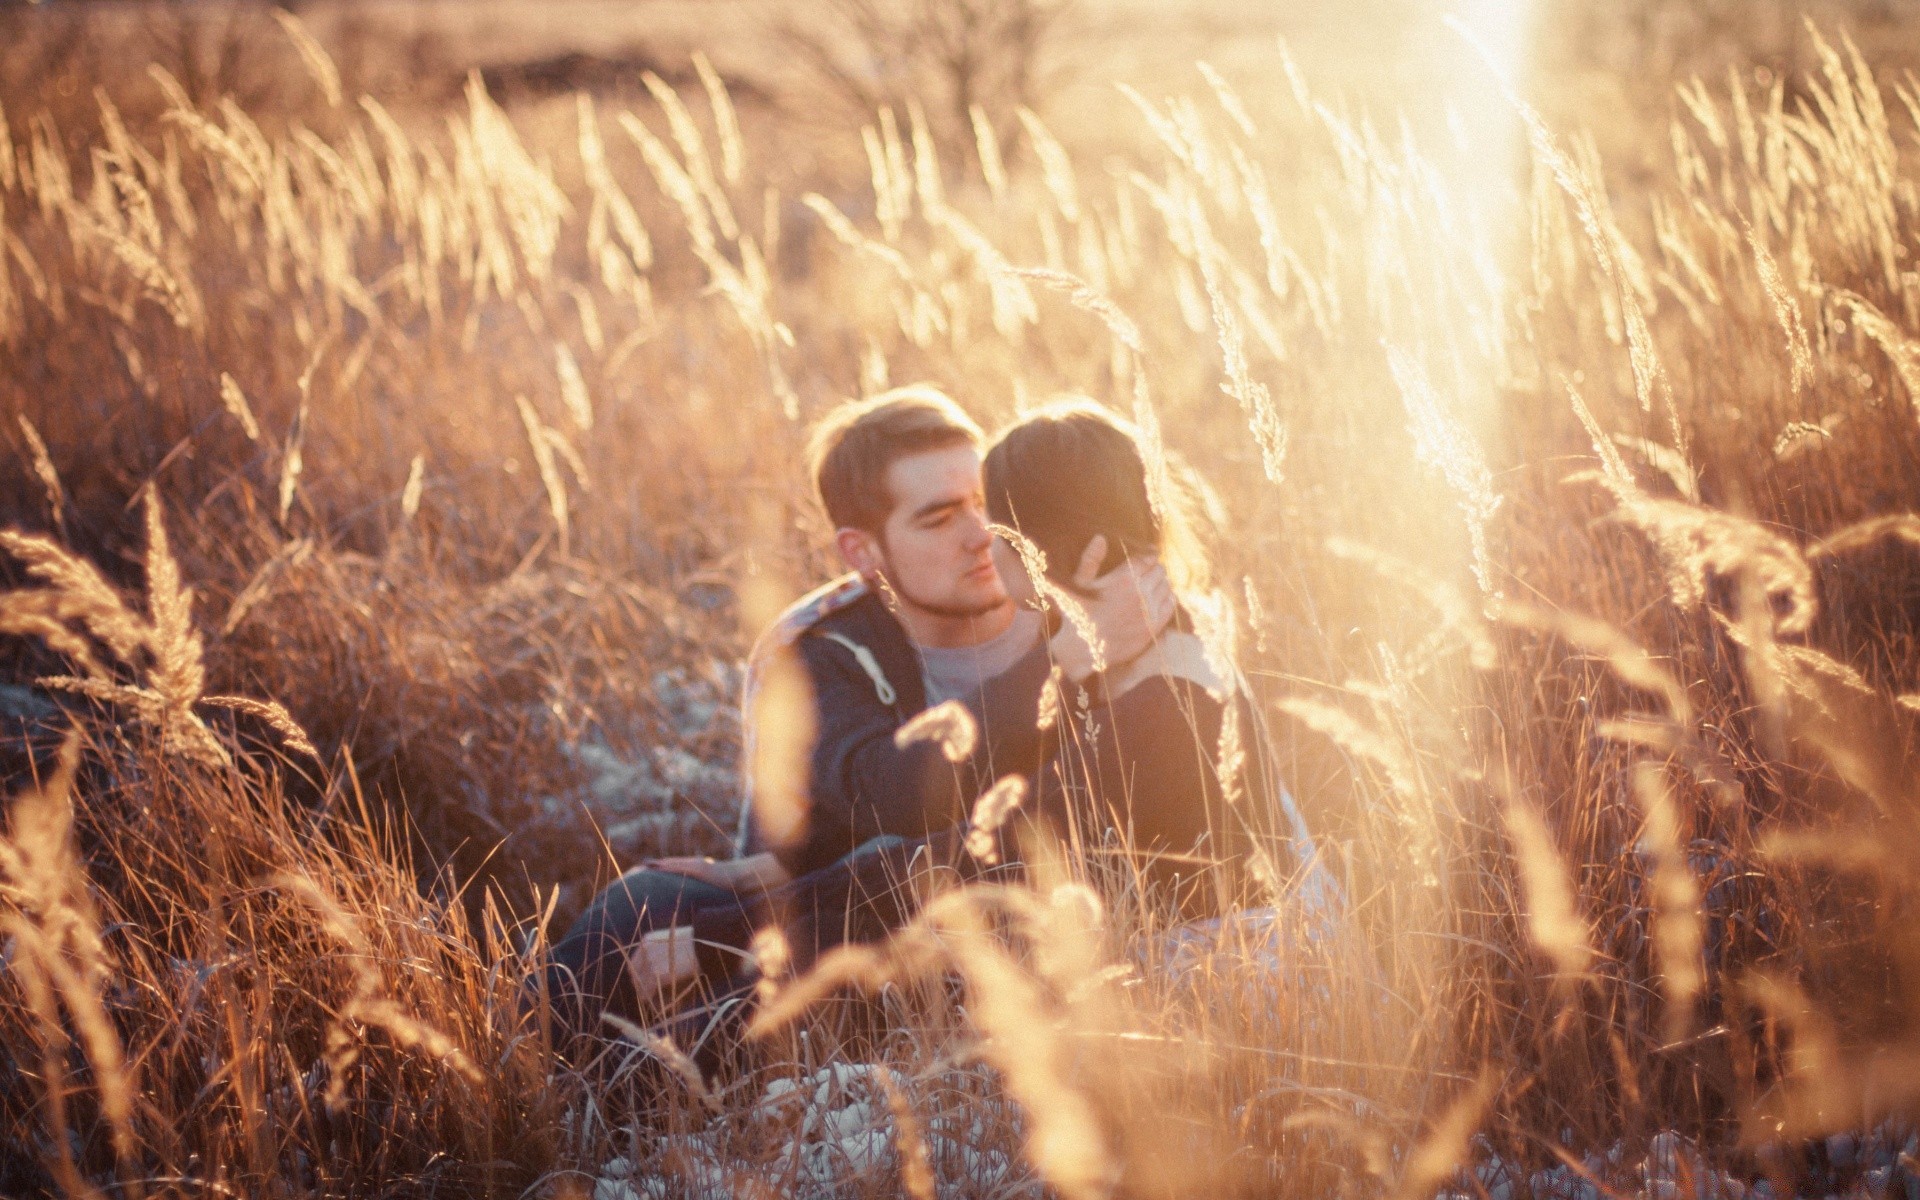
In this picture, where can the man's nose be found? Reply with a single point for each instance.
(979, 531)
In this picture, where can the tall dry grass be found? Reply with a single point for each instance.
(1566, 534)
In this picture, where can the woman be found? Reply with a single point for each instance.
(1151, 756)
(1159, 768)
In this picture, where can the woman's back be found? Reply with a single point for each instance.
(1168, 766)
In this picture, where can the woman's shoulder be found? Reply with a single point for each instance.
(1177, 665)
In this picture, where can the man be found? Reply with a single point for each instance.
(923, 618)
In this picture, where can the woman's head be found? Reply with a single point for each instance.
(1072, 471)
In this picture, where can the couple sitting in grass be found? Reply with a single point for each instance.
(1028, 609)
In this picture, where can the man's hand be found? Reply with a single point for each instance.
(662, 960)
(754, 873)
(1128, 608)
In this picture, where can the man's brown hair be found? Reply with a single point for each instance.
(853, 446)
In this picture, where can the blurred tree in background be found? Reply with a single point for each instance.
(951, 55)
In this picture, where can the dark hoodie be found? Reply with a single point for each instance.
(864, 680)
(1139, 773)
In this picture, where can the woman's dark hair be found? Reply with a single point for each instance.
(1072, 470)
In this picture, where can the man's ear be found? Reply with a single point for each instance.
(859, 549)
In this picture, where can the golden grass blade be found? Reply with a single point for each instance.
(79, 594)
(1376, 1149)
(1679, 934)
(773, 960)
(1902, 527)
(1623, 656)
(838, 968)
(368, 1003)
(669, 1054)
(1844, 850)
(235, 401)
(898, 178)
(1052, 702)
(1013, 305)
(948, 724)
(1228, 99)
(990, 812)
(986, 142)
(179, 674)
(1822, 1090)
(415, 487)
(1082, 295)
(1668, 461)
(43, 469)
(313, 56)
(274, 714)
(1458, 614)
(909, 1138)
(549, 470)
(1230, 755)
(1786, 311)
(1797, 437)
(44, 615)
(1253, 397)
(726, 122)
(778, 747)
(1901, 350)
(1603, 446)
(56, 953)
(1445, 1146)
(1552, 911)
(1034, 560)
(9, 161)
(292, 463)
(1444, 442)
(693, 150)
(926, 161)
(1697, 543)
(1348, 732)
(1055, 164)
(573, 388)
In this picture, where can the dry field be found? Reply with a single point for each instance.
(395, 486)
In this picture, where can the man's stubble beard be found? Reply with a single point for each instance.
(890, 582)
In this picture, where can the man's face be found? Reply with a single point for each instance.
(934, 546)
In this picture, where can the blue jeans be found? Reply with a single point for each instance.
(586, 971)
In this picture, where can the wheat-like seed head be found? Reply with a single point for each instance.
(1699, 542)
(1034, 561)
(274, 714)
(693, 151)
(993, 170)
(179, 674)
(916, 1171)
(947, 724)
(542, 447)
(313, 56)
(1446, 1144)
(80, 593)
(990, 812)
(1552, 912)
(56, 952)
(1679, 934)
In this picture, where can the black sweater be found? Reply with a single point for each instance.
(1139, 772)
(1139, 778)
(863, 680)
